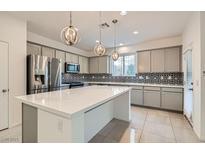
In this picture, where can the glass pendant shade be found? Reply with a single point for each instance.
(99, 49)
(69, 34)
(115, 55)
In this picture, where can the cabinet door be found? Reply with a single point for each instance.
(103, 64)
(152, 98)
(68, 58)
(143, 62)
(93, 65)
(172, 60)
(172, 101)
(85, 64)
(74, 58)
(49, 52)
(33, 49)
(61, 55)
(81, 63)
(157, 60)
(137, 97)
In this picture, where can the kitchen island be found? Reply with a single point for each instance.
(72, 115)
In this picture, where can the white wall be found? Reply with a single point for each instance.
(152, 44)
(193, 39)
(33, 37)
(13, 31)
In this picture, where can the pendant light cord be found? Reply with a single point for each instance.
(115, 37)
(70, 18)
(100, 20)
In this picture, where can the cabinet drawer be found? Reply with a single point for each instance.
(172, 89)
(152, 88)
(137, 97)
(152, 98)
(172, 101)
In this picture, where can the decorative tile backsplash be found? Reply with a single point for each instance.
(155, 78)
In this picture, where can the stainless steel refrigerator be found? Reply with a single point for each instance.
(43, 74)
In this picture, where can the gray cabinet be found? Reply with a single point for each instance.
(61, 55)
(143, 61)
(33, 49)
(72, 58)
(172, 99)
(173, 60)
(99, 64)
(93, 64)
(157, 60)
(103, 64)
(83, 61)
(137, 96)
(152, 96)
(49, 52)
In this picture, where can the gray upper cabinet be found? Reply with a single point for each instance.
(49, 52)
(157, 60)
(143, 61)
(61, 55)
(72, 58)
(33, 49)
(103, 64)
(93, 64)
(172, 60)
(83, 61)
(99, 64)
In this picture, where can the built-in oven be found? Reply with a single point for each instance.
(72, 68)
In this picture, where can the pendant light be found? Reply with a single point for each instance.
(99, 49)
(69, 34)
(115, 54)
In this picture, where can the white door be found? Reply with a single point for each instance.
(188, 90)
(3, 85)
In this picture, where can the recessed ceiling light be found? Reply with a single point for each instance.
(123, 13)
(121, 44)
(97, 41)
(135, 32)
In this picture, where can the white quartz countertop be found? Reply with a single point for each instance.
(72, 101)
(138, 84)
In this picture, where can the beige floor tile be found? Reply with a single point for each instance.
(158, 112)
(180, 123)
(159, 129)
(185, 135)
(155, 118)
(153, 138)
(131, 135)
(135, 123)
(176, 115)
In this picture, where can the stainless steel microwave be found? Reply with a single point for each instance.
(72, 68)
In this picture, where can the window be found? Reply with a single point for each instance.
(124, 66)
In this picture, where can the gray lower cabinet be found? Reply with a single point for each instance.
(137, 97)
(172, 100)
(151, 98)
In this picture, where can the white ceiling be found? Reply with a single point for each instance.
(150, 25)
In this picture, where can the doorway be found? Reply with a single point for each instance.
(188, 86)
(4, 75)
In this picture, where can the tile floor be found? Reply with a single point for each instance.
(147, 125)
